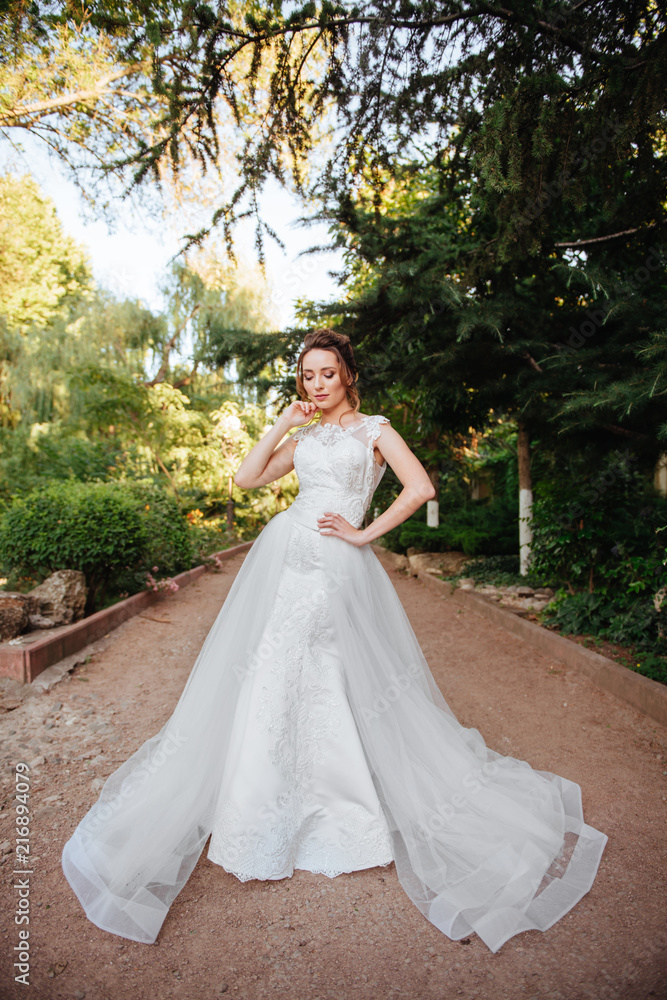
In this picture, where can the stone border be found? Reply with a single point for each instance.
(647, 695)
(644, 694)
(24, 663)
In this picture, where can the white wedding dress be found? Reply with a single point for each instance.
(310, 734)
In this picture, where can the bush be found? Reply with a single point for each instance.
(470, 526)
(167, 531)
(602, 536)
(208, 535)
(623, 620)
(114, 533)
(501, 571)
(601, 533)
(33, 461)
(470, 530)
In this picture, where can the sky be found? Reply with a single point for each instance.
(131, 259)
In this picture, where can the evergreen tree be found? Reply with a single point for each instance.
(532, 97)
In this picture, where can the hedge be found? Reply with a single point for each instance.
(113, 532)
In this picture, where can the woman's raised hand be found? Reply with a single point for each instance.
(299, 413)
(267, 462)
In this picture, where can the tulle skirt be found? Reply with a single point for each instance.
(482, 842)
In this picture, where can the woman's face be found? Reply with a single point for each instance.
(321, 378)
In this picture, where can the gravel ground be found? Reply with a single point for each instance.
(358, 935)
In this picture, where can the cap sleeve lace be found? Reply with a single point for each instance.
(374, 426)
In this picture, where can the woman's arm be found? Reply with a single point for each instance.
(265, 462)
(417, 489)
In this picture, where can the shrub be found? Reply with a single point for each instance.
(602, 536)
(470, 526)
(601, 533)
(167, 530)
(470, 530)
(621, 619)
(113, 532)
(209, 535)
(502, 571)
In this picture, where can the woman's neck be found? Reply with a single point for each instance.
(333, 416)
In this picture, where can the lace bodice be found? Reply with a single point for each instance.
(337, 470)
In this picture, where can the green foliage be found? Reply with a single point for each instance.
(114, 533)
(96, 389)
(622, 619)
(468, 526)
(487, 525)
(511, 260)
(502, 571)
(168, 542)
(602, 535)
(209, 535)
(600, 532)
(43, 272)
(651, 666)
(69, 83)
(520, 101)
(33, 457)
(465, 331)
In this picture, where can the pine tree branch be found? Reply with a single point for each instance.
(624, 432)
(532, 362)
(602, 239)
(334, 23)
(13, 116)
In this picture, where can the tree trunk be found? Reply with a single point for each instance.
(525, 500)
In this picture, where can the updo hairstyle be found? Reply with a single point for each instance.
(327, 339)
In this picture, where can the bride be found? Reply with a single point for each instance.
(311, 734)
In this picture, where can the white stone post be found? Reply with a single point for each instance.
(525, 500)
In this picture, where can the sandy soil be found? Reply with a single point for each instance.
(358, 935)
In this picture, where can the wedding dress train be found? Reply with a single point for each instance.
(311, 734)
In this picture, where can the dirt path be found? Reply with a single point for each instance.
(358, 935)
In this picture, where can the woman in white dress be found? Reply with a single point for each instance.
(311, 734)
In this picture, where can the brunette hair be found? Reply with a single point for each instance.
(326, 339)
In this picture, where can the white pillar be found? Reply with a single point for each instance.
(525, 499)
(660, 477)
(525, 529)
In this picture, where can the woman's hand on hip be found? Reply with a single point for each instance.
(335, 524)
